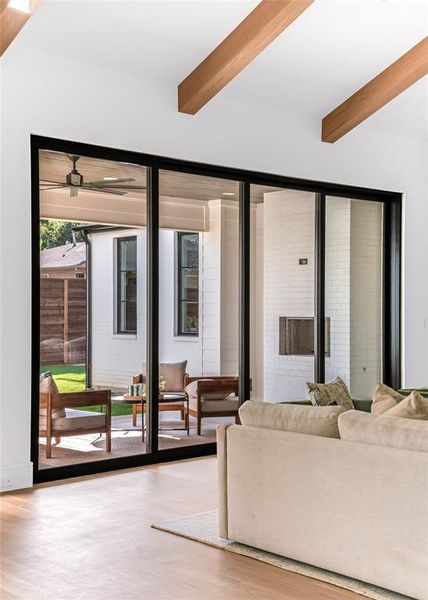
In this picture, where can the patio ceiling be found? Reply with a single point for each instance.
(183, 195)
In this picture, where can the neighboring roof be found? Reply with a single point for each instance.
(68, 255)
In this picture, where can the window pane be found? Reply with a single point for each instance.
(282, 293)
(127, 285)
(92, 296)
(198, 297)
(353, 292)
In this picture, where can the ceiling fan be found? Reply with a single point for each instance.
(74, 181)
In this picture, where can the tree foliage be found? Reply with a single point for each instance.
(57, 233)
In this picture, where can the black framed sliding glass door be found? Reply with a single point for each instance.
(194, 271)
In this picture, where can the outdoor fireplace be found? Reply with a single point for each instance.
(296, 336)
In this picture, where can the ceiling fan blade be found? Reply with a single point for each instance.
(101, 190)
(49, 181)
(127, 187)
(107, 183)
(53, 187)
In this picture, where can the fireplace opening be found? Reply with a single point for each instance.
(296, 336)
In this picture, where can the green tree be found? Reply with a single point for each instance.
(57, 233)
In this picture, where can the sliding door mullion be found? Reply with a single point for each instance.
(319, 300)
(152, 321)
(244, 291)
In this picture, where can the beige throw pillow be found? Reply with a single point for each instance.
(312, 420)
(414, 406)
(384, 398)
(47, 385)
(326, 394)
(173, 373)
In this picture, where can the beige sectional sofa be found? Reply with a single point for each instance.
(359, 507)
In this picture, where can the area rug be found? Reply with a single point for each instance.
(202, 527)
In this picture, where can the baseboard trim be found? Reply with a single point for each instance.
(16, 476)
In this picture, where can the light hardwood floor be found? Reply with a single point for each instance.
(90, 538)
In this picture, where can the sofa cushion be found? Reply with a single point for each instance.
(384, 430)
(412, 407)
(325, 394)
(173, 373)
(76, 419)
(231, 403)
(384, 398)
(192, 391)
(47, 385)
(312, 420)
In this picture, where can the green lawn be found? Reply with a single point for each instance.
(71, 378)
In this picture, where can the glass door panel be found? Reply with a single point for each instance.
(282, 293)
(198, 305)
(92, 307)
(353, 293)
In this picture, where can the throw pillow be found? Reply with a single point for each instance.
(173, 373)
(325, 394)
(414, 406)
(384, 398)
(47, 385)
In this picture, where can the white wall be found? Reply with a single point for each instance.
(38, 97)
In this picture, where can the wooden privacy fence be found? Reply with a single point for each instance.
(62, 321)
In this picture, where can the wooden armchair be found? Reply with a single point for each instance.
(212, 397)
(75, 422)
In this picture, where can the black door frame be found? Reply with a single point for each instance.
(391, 285)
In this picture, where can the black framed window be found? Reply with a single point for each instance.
(187, 289)
(391, 286)
(126, 288)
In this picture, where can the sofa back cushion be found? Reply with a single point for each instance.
(312, 420)
(220, 394)
(47, 385)
(384, 430)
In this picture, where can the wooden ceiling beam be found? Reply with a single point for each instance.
(12, 21)
(396, 78)
(235, 52)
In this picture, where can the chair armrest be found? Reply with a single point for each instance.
(75, 399)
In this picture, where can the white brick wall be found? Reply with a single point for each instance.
(288, 234)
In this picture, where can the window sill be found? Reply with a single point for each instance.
(124, 336)
(186, 338)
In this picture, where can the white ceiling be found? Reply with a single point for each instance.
(334, 48)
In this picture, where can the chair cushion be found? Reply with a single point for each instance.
(173, 373)
(384, 398)
(384, 430)
(76, 419)
(312, 420)
(324, 394)
(414, 406)
(192, 391)
(47, 385)
(230, 403)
